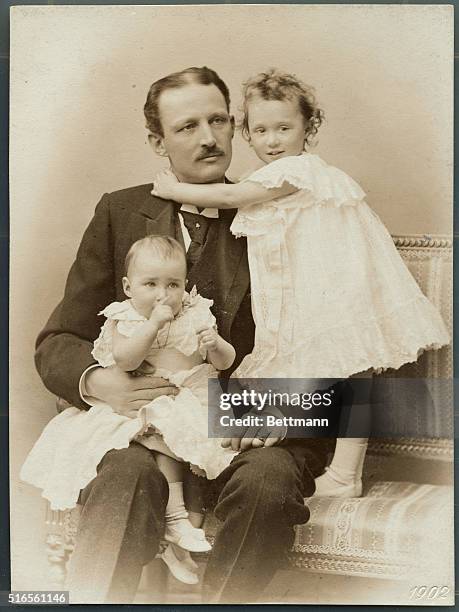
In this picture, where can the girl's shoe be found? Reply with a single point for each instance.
(327, 486)
(181, 569)
(186, 536)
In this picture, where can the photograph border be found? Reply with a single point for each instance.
(5, 573)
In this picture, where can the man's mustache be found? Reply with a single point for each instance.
(215, 151)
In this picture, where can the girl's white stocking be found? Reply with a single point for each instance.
(343, 477)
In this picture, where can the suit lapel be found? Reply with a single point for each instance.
(230, 254)
(232, 258)
(233, 281)
(160, 217)
(152, 216)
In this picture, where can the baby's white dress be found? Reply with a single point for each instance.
(331, 296)
(65, 457)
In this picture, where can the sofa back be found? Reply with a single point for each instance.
(421, 458)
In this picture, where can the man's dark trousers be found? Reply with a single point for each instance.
(122, 522)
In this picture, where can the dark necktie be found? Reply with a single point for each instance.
(197, 226)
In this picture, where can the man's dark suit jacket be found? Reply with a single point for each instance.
(64, 345)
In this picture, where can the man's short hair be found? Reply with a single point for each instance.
(200, 76)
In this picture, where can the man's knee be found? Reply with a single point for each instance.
(268, 468)
(268, 477)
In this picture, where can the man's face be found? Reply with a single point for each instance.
(197, 132)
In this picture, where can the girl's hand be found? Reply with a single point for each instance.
(163, 185)
(208, 339)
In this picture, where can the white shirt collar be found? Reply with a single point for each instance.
(212, 213)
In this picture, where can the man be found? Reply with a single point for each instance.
(261, 492)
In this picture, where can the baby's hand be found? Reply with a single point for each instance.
(161, 314)
(144, 369)
(163, 185)
(208, 338)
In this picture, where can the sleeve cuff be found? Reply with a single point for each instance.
(82, 385)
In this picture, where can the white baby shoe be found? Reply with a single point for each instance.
(184, 569)
(186, 536)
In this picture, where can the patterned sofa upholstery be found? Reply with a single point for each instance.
(404, 517)
(387, 533)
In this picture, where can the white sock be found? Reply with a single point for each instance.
(347, 463)
(175, 509)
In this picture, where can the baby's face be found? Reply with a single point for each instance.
(276, 128)
(151, 279)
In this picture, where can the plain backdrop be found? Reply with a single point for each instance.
(382, 74)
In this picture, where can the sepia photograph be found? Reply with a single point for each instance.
(252, 203)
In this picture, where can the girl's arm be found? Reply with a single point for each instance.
(130, 352)
(217, 195)
(220, 353)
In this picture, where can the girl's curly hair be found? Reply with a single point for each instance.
(277, 85)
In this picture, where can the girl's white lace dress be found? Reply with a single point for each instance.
(330, 294)
(65, 457)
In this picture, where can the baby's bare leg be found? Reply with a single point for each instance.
(171, 468)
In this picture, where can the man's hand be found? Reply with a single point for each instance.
(256, 437)
(163, 185)
(248, 441)
(125, 393)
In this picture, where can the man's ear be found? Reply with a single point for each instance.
(233, 124)
(156, 142)
(126, 286)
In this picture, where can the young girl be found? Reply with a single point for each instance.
(174, 332)
(331, 297)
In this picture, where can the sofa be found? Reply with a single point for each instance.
(399, 533)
